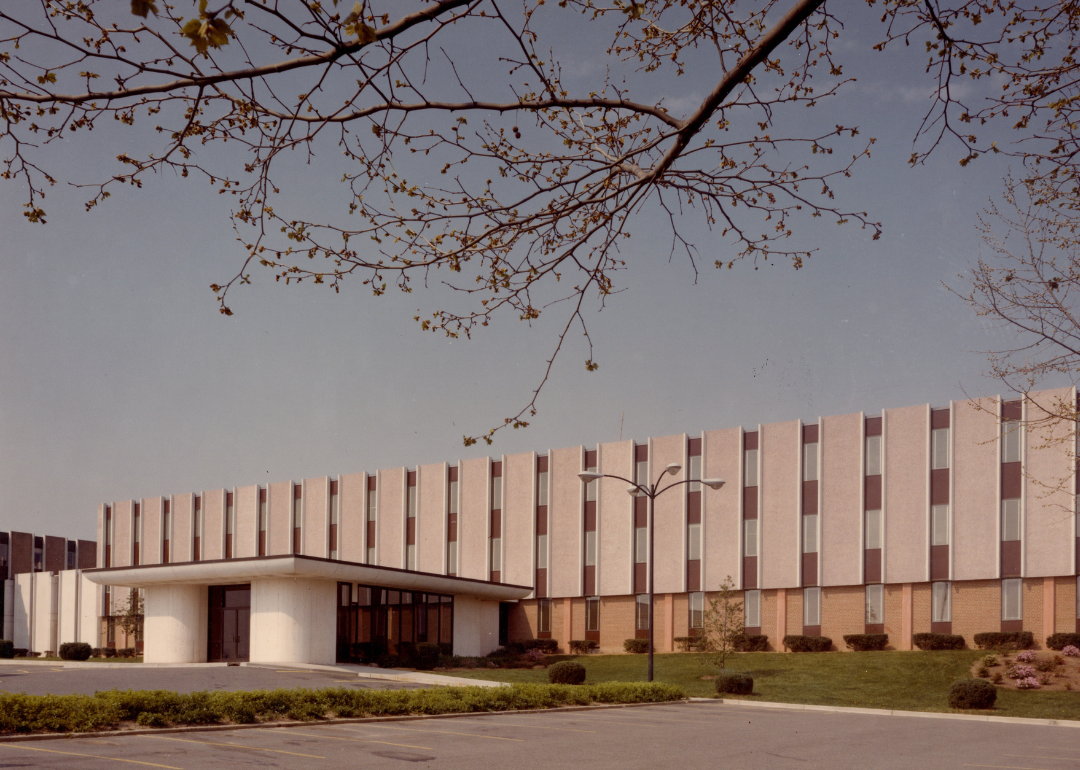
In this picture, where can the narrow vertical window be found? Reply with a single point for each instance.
(136, 546)
(875, 604)
(496, 493)
(697, 610)
(810, 462)
(411, 511)
(262, 522)
(810, 532)
(543, 616)
(939, 449)
(451, 557)
(591, 487)
(693, 542)
(495, 529)
(812, 606)
(541, 551)
(941, 602)
(372, 516)
(873, 455)
(335, 519)
(752, 608)
(641, 473)
(750, 478)
(939, 525)
(542, 487)
(1010, 441)
(1010, 520)
(197, 549)
(230, 524)
(410, 556)
(642, 614)
(592, 614)
(451, 520)
(694, 472)
(1011, 600)
(410, 520)
(297, 518)
(496, 554)
(107, 528)
(641, 545)
(590, 549)
(873, 530)
(750, 537)
(166, 529)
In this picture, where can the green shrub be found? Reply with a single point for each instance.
(566, 672)
(926, 641)
(866, 642)
(972, 694)
(751, 642)
(427, 655)
(797, 643)
(990, 660)
(386, 660)
(636, 645)
(983, 672)
(736, 683)
(75, 651)
(21, 652)
(7, 649)
(546, 646)
(1058, 641)
(1004, 640)
(688, 643)
(583, 646)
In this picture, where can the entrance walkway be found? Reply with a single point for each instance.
(386, 674)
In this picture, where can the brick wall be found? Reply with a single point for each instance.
(1065, 604)
(577, 623)
(843, 611)
(559, 631)
(1032, 610)
(523, 621)
(794, 615)
(768, 618)
(616, 622)
(894, 604)
(682, 615)
(976, 607)
(922, 608)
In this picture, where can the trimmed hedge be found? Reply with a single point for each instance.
(687, 643)
(1004, 640)
(925, 641)
(972, 694)
(7, 649)
(636, 645)
(583, 646)
(735, 683)
(1058, 641)
(566, 672)
(751, 642)
(20, 713)
(797, 643)
(75, 651)
(546, 646)
(866, 642)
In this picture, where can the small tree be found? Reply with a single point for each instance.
(722, 624)
(130, 619)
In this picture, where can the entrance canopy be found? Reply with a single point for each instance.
(227, 571)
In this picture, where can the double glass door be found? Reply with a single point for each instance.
(230, 623)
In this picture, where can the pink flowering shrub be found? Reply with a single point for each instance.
(533, 656)
(1027, 683)
(1026, 657)
(1070, 652)
(1021, 672)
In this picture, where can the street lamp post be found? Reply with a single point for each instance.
(652, 492)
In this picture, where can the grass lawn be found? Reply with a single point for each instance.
(908, 681)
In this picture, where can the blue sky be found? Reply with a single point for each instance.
(119, 379)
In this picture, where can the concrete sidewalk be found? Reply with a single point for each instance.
(387, 674)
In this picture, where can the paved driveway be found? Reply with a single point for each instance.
(697, 735)
(55, 680)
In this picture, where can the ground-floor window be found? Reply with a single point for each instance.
(375, 621)
(543, 616)
(875, 604)
(941, 602)
(642, 614)
(592, 613)
(1012, 607)
(812, 606)
(697, 609)
(752, 609)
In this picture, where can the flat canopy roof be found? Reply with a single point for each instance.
(225, 571)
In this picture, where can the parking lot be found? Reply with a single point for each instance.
(55, 680)
(684, 734)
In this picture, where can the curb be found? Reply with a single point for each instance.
(889, 712)
(389, 675)
(319, 722)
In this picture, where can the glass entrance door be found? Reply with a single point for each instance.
(230, 623)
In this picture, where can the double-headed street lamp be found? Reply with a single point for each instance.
(651, 492)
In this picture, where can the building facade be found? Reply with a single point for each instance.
(957, 519)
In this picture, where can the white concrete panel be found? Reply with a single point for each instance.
(23, 606)
(780, 449)
(720, 514)
(68, 622)
(1048, 538)
(101, 535)
(212, 545)
(89, 618)
(43, 615)
(316, 524)
(122, 513)
(391, 526)
(906, 494)
(353, 523)
(175, 624)
(615, 520)
(974, 471)
(565, 519)
(841, 483)
(519, 519)
(669, 530)
(279, 513)
(431, 490)
(150, 549)
(182, 512)
(246, 536)
(474, 489)
(293, 620)
(476, 626)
